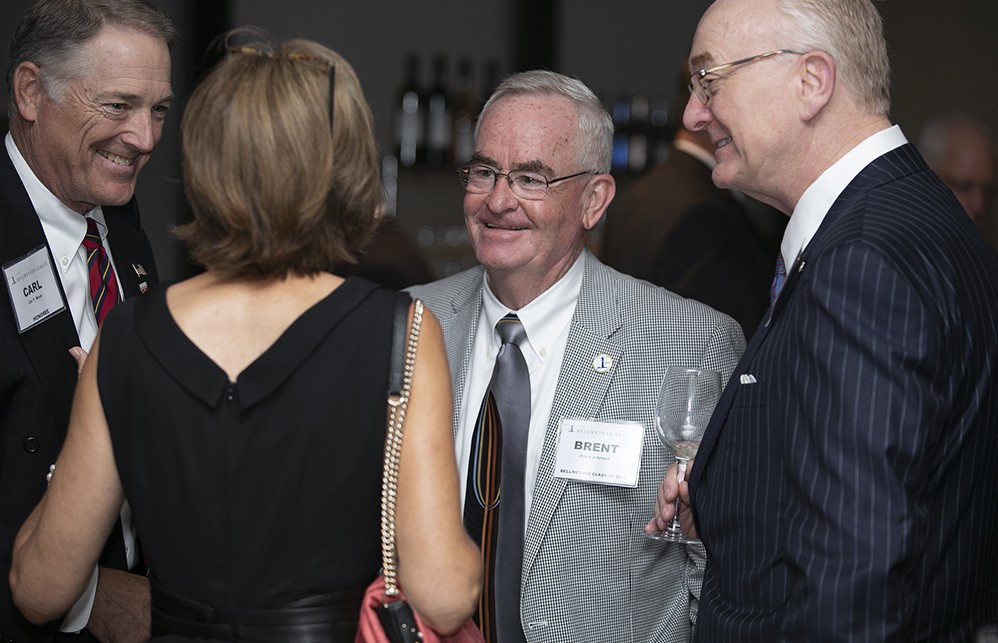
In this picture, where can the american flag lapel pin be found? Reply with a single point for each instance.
(140, 272)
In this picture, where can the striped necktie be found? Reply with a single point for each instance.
(495, 481)
(778, 280)
(103, 285)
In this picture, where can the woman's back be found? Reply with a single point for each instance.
(243, 411)
(260, 491)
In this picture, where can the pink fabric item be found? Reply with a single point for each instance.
(370, 630)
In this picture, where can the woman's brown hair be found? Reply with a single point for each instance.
(273, 191)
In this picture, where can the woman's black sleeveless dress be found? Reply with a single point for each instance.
(253, 495)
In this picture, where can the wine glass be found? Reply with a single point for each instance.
(686, 400)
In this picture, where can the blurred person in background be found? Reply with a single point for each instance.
(961, 151)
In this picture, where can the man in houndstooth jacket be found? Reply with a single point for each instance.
(598, 343)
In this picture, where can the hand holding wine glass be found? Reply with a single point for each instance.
(685, 403)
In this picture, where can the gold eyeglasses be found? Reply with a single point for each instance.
(701, 85)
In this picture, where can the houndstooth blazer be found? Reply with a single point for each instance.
(589, 573)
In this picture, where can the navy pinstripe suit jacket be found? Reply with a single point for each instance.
(38, 376)
(849, 494)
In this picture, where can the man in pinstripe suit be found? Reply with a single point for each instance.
(845, 488)
(597, 345)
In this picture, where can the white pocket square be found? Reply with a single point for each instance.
(746, 378)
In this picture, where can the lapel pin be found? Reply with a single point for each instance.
(602, 363)
(139, 270)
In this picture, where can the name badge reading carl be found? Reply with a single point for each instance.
(33, 289)
(599, 452)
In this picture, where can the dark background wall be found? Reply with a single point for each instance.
(944, 56)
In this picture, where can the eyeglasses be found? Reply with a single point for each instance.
(701, 85)
(481, 179)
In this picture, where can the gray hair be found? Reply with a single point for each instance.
(595, 144)
(51, 33)
(852, 32)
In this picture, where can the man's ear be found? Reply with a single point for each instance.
(817, 83)
(28, 90)
(599, 194)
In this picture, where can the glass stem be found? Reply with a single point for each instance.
(681, 464)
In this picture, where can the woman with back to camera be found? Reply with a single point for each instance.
(245, 407)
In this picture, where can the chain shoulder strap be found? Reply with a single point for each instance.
(397, 403)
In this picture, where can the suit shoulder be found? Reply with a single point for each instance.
(914, 222)
(640, 298)
(439, 295)
(127, 213)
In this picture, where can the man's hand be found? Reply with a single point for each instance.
(665, 505)
(121, 612)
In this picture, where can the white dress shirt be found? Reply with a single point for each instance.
(64, 230)
(546, 320)
(820, 195)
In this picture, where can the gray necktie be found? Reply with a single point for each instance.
(510, 387)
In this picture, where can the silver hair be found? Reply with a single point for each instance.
(51, 33)
(852, 32)
(595, 143)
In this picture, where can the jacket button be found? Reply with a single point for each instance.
(32, 444)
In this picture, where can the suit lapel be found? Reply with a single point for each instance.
(21, 232)
(580, 393)
(460, 322)
(130, 249)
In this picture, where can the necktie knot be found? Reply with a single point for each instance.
(511, 330)
(103, 285)
(91, 240)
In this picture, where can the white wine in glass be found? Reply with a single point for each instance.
(685, 403)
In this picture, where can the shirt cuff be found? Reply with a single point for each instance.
(79, 614)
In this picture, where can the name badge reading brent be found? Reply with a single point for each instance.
(33, 289)
(599, 452)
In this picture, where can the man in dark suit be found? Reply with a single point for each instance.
(675, 228)
(88, 89)
(845, 486)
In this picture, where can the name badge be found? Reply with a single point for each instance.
(33, 289)
(600, 452)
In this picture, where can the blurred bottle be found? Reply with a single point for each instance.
(438, 116)
(621, 112)
(465, 111)
(638, 144)
(408, 115)
(661, 129)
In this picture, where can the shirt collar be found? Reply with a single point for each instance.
(64, 228)
(546, 316)
(819, 197)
